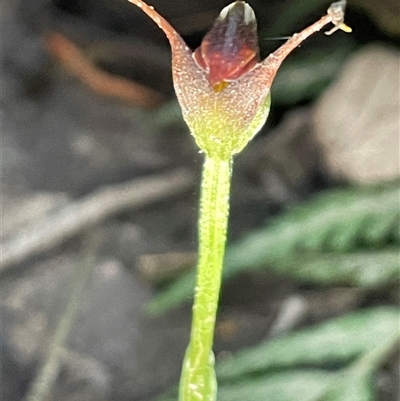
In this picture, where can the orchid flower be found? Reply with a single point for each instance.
(224, 92)
(222, 87)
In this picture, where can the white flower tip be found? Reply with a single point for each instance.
(245, 10)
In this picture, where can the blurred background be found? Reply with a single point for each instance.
(100, 181)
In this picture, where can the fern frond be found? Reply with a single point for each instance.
(347, 236)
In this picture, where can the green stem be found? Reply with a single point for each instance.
(198, 376)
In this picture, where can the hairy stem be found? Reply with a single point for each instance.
(198, 377)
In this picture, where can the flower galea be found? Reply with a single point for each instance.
(222, 87)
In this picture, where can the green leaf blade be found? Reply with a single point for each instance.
(285, 386)
(338, 341)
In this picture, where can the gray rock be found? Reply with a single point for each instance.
(357, 120)
(115, 351)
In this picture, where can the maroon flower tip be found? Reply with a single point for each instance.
(230, 48)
